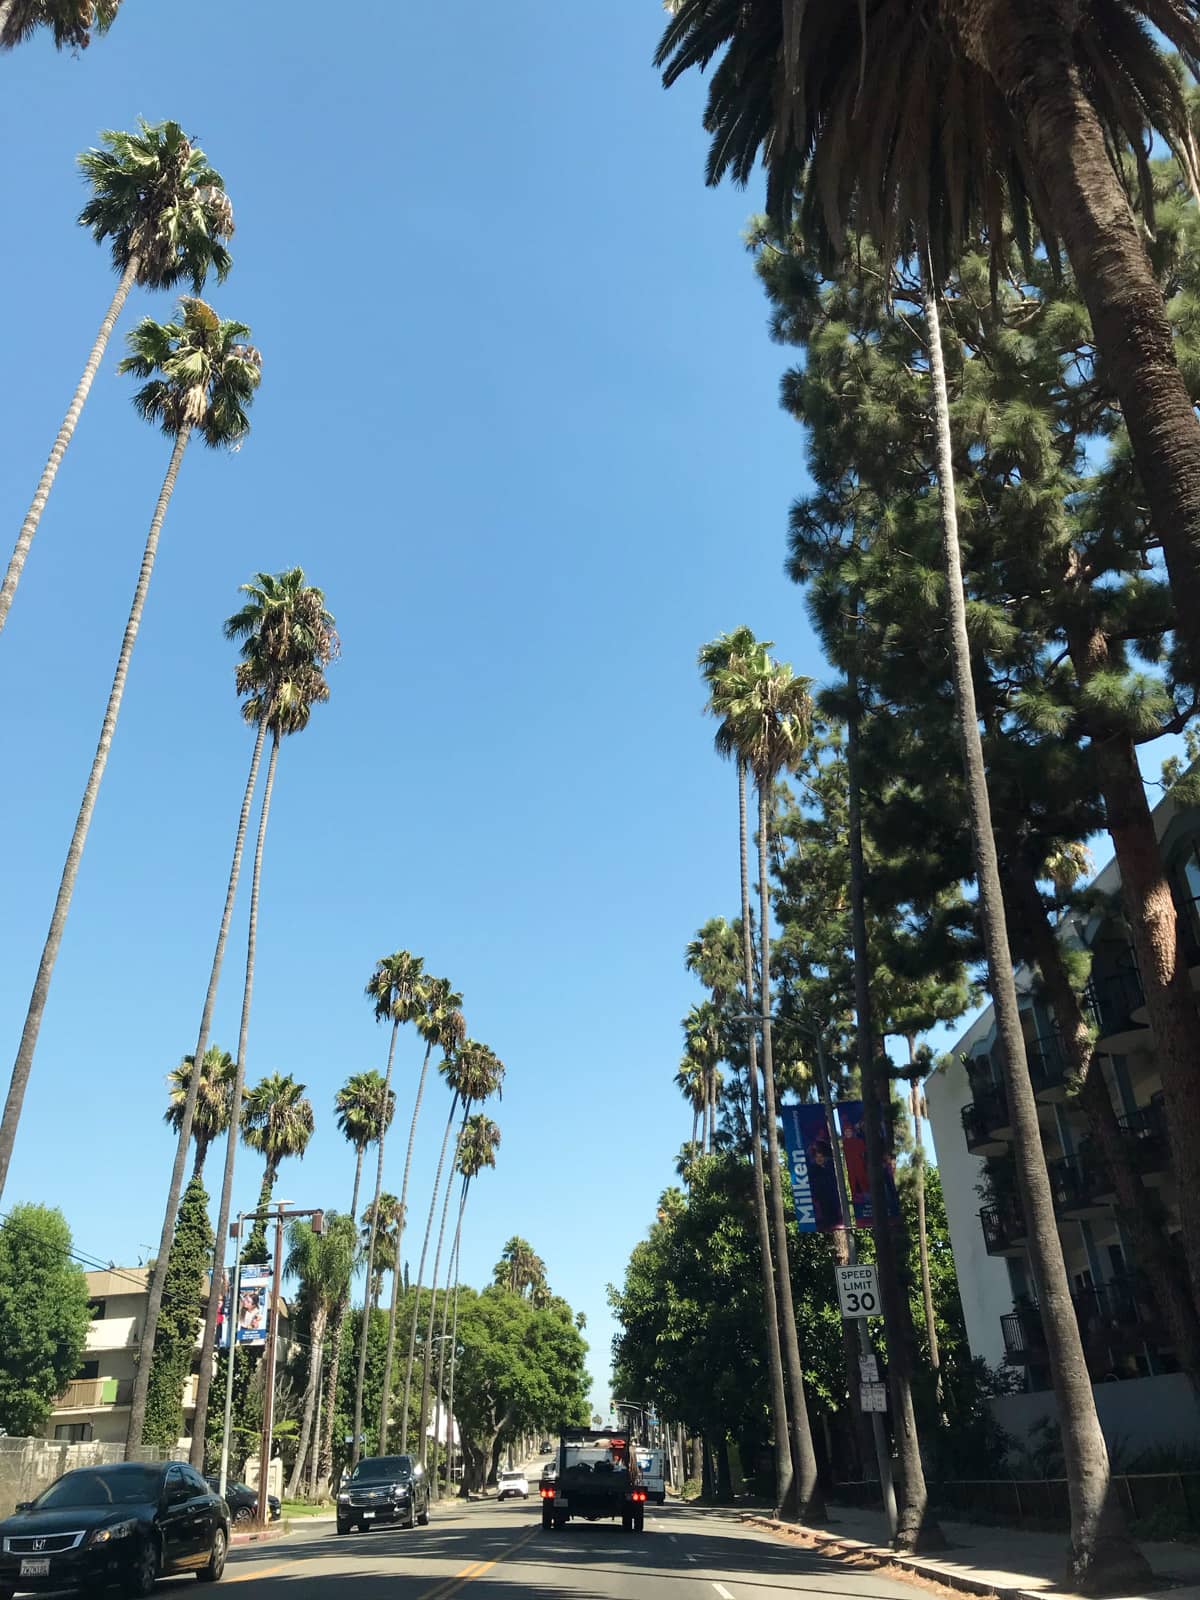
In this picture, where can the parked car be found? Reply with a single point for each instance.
(512, 1484)
(242, 1500)
(128, 1524)
(383, 1489)
(546, 1445)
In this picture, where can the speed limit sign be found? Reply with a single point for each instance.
(858, 1291)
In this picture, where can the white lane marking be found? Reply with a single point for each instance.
(722, 1591)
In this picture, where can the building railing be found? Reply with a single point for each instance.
(1047, 1062)
(1003, 1227)
(87, 1393)
(984, 1115)
(1113, 997)
(1078, 1183)
(1145, 1130)
(1116, 1320)
(1024, 1336)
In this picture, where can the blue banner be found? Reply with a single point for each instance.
(810, 1163)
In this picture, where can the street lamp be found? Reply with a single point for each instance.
(883, 1455)
(278, 1212)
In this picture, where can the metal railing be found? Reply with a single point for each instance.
(1024, 1336)
(983, 1115)
(1078, 1183)
(1047, 1062)
(1003, 1227)
(1113, 997)
(1146, 1132)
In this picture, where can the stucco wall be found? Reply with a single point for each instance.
(1136, 1414)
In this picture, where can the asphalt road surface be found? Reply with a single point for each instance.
(484, 1551)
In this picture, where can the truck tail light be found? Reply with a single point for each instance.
(547, 1492)
(639, 1494)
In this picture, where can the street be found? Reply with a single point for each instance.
(486, 1551)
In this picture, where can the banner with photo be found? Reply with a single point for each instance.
(253, 1307)
(854, 1144)
(810, 1163)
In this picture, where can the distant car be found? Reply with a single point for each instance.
(514, 1484)
(383, 1489)
(546, 1445)
(242, 1500)
(128, 1524)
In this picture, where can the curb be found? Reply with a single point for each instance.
(921, 1567)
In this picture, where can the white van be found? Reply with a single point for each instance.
(650, 1463)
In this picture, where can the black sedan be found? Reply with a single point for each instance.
(129, 1524)
(383, 1489)
(242, 1500)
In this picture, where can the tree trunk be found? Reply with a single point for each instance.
(810, 1506)
(63, 438)
(445, 1424)
(1165, 1274)
(427, 1364)
(708, 1490)
(724, 1475)
(863, 1441)
(777, 1395)
(393, 1310)
(923, 1239)
(23, 1064)
(412, 1332)
(332, 1374)
(208, 1342)
(1026, 47)
(1101, 1555)
(1153, 926)
(364, 1331)
(916, 1529)
(316, 1342)
(454, 1329)
(359, 1151)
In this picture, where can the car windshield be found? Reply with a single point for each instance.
(98, 1486)
(382, 1469)
(510, 1476)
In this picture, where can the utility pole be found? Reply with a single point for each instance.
(883, 1455)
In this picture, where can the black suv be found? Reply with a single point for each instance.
(383, 1489)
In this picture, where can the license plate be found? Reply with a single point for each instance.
(36, 1569)
(367, 1515)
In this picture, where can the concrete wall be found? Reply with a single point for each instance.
(1137, 1414)
(983, 1281)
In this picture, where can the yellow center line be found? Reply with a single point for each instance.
(255, 1572)
(451, 1586)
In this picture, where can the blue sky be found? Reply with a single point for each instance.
(518, 418)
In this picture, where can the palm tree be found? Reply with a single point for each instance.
(767, 715)
(396, 989)
(475, 1073)
(359, 1108)
(1019, 105)
(287, 639)
(1102, 1556)
(384, 1221)
(277, 1122)
(716, 659)
(519, 1267)
(208, 379)
(702, 1035)
(167, 214)
(71, 21)
(692, 1082)
(214, 1098)
(442, 1025)
(323, 1262)
(476, 1150)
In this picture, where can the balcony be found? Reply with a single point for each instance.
(1145, 1131)
(1004, 1231)
(985, 1122)
(1024, 1337)
(1116, 1321)
(1080, 1187)
(1047, 1066)
(1113, 998)
(89, 1394)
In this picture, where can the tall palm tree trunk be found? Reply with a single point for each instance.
(324, 1473)
(209, 1337)
(412, 1332)
(63, 437)
(364, 1331)
(446, 1415)
(1026, 47)
(1101, 1554)
(1165, 1275)
(360, 1151)
(427, 1364)
(315, 1351)
(810, 1504)
(777, 1407)
(695, 1126)
(453, 1365)
(915, 1528)
(394, 1308)
(23, 1064)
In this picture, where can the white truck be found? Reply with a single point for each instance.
(650, 1465)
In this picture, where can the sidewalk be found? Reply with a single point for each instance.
(985, 1560)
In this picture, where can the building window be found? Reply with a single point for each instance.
(73, 1432)
(1187, 888)
(88, 1369)
(98, 1310)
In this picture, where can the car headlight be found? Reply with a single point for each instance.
(344, 1499)
(115, 1530)
(400, 1492)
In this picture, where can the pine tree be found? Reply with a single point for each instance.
(179, 1319)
